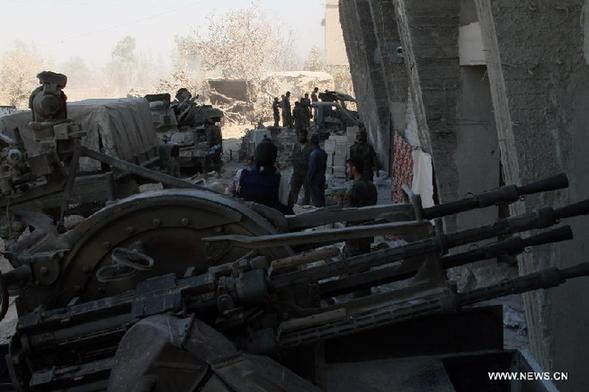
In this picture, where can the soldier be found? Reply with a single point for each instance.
(300, 120)
(215, 144)
(276, 112)
(363, 193)
(363, 152)
(300, 163)
(315, 99)
(306, 101)
(287, 111)
(314, 95)
(316, 172)
(284, 113)
(262, 183)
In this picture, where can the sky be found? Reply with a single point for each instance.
(64, 29)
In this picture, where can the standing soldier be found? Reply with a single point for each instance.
(306, 101)
(215, 148)
(284, 113)
(363, 152)
(315, 95)
(363, 193)
(276, 112)
(300, 163)
(316, 172)
(300, 120)
(287, 108)
(315, 99)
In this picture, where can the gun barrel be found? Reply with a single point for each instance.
(505, 194)
(542, 218)
(397, 272)
(544, 279)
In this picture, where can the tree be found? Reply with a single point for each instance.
(77, 72)
(19, 67)
(122, 70)
(314, 61)
(241, 44)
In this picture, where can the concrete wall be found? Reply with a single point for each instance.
(524, 113)
(540, 84)
(368, 78)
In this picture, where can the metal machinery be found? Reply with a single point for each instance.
(40, 162)
(188, 290)
(333, 114)
(194, 130)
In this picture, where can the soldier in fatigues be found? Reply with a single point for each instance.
(363, 152)
(215, 145)
(276, 112)
(315, 99)
(316, 172)
(300, 120)
(306, 101)
(300, 163)
(284, 113)
(363, 193)
(287, 110)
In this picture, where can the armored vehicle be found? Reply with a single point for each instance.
(335, 113)
(62, 158)
(193, 130)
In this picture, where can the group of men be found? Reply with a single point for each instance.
(260, 180)
(299, 117)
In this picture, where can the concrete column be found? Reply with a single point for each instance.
(540, 87)
(368, 78)
(429, 34)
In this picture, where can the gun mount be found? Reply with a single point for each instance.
(210, 269)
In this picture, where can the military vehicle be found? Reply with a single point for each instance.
(61, 159)
(193, 130)
(335, 113)
(184, 290)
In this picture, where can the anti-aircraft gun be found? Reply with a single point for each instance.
(43, 150)
(208, 286)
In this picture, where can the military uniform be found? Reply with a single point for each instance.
(276, 112)
(286, 112)
(300, 117)
(215, 144)
(364, 152)
(300, 164)
(363, 193)
(316, 176)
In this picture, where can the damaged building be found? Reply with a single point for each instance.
(493, 91)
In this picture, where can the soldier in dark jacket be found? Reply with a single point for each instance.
(315, 99)
(284, 113)
(363, 193)
(262, 183)
(362, 151)
(300, 120)
(300, 164)
(276, 112)
(306, 101)
(287, 110)
(316, 172)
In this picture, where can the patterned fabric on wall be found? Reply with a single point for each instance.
(402, 168)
